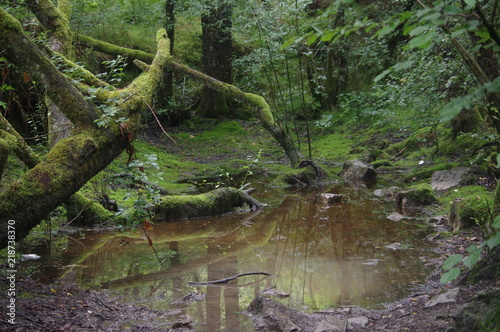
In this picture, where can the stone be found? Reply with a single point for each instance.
(357, 170)
(448, 297)
(459, 176)
(327, 198)
(415, 197)
(396, 216)
(331, 324)
(387, 192)
(362, 321)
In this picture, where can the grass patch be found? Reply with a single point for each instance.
(333, 147)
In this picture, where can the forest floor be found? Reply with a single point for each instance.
(41, 307)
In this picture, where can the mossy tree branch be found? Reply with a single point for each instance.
(264, 111)
(74, 160)
(112, 49)
(55, 21)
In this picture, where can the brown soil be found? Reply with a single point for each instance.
(40, 307)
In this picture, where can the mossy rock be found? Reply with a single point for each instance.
(416, 196)
(470, 211)
(421, 138)
(301, 176)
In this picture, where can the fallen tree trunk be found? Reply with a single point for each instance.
(263, 110)
(213, 203)
(74, 160)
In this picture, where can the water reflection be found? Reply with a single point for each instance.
(323, 255)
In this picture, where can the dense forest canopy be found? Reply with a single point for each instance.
(302, 68)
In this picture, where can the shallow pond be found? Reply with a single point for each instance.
(321, 255)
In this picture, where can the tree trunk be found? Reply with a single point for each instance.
(76, 159)
(213, 203)
(165, 93)
(55, 22)
(264, 112)
(217, 47)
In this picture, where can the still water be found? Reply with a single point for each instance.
(321, 255)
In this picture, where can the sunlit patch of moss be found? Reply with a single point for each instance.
(333, 147)
(467, 192)
(224, 131)
(424, 172)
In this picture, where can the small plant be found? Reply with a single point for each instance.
(114, 70)
(450, 265)
(248, 168)
(147, 195)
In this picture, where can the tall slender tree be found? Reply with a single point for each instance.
(217, 47)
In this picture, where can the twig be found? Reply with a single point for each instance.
(78, 215)
(226, 280)
(159, 123)
(151, 244)
(104, 304)
(31, 320)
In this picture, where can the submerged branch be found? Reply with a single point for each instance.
(226, 280)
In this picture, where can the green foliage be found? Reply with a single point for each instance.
(147, 195)
(474, 254)
(129, 23)
(114, 71)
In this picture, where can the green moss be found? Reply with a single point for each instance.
(333, 147)
(477, 194)
(475, 209)
(216, 202)
(265, 114)
(426, 172)
(422, 194)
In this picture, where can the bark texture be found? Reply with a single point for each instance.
(213, 203)
(76, 159)
(217, 45)
(264, 111)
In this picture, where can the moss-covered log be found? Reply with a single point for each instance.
(213, 203)
(74, 160)
(264, 111)
(112, 49)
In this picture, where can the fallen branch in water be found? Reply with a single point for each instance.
(226, 280)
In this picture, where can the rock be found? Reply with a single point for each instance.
(327, 198)
(274, 292)
(387, 192)
(269, 315)
(480, 312)
(449, 296)
(330, 324)
(357, 170)
(396, 216)
(415, 197)
(362, 321)
(438, 220)
(455, 221)
(467, 212)
(459, 176)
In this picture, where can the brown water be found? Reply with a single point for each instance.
(323, 256)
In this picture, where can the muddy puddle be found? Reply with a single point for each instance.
(319, 256)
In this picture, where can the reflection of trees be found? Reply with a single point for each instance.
(322, 252)
(216, 271)
(316, 251)
(254, 236)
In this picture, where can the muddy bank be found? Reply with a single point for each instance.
(55, 308)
